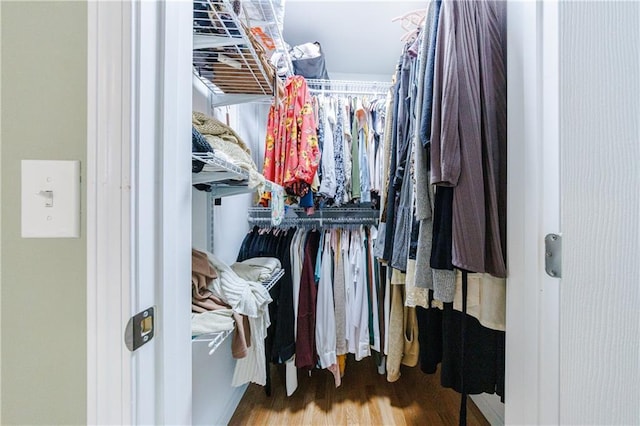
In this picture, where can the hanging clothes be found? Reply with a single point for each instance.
(468, 138)
(306, 352)
(447, 129)
(351, 165)
(292, 153)
(326, 338)
(333, 292)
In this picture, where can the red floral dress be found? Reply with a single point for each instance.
(292, 153)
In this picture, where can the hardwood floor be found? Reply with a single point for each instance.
(365, 398)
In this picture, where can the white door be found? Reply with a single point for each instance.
(573, 343)
(599, 74)
(139, 210)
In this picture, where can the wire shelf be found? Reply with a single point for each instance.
(225, 59)
(265, 19)
(216, 169)
(213, 340)
(348, 87)
(226, 179)
(274, 279)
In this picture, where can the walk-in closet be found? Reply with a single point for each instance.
(348, 224)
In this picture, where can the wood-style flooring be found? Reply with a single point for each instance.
(365, 398)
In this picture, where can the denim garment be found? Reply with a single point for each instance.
(402, 226)
(355, 156)
(390, 203)
(404, 222)
(404, 120)
(306, 201)
(365, 191)
(427, 96)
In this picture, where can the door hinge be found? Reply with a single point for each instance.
(553, 255)
(140, 329)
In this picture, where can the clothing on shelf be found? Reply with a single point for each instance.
(209, 313)
(259, 269)
(219, 294)
(228, 146)
(308, 60)
(198, 144)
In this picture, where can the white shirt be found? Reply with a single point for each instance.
(328, 185)
(359, 342)
(325, 312)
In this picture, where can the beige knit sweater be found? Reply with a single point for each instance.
(224, 139)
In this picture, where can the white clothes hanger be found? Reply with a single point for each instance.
(411, 22)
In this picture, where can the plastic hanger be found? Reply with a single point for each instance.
(412, 19)
(411, 23)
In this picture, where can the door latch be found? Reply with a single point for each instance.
(553, 255)
(140, 329)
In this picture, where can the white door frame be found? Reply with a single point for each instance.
(533, 298)
(109, 367)
(138, 210)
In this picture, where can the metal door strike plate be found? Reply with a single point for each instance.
(553, 255)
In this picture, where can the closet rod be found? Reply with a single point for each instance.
(331, 216)
(363, 211)
(353, 87)
(312, 222)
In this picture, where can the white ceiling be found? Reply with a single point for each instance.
(357, 36)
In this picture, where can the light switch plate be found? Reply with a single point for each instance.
(50, 199)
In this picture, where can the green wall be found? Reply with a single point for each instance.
(43, 293)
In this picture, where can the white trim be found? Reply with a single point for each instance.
(175, 38)
(0, 215)
(549, 331)
(145, 205)
(109, 370)
(138, 210)
(532, 345)
(490, 407)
